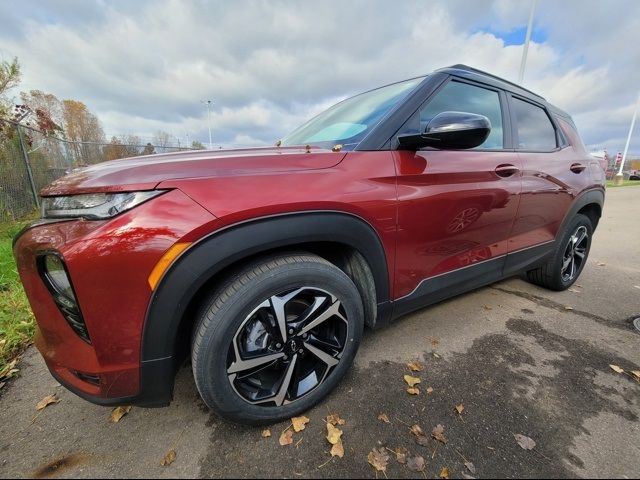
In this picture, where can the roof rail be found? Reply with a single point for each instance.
(469, 69)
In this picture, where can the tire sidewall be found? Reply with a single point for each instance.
(210, 371)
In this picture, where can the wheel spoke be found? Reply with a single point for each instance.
(573, 266)
(583, 235)
(566, 263)
(284, 387)
(580, 252)
(324, 356)
(278, 304)
(334, 309)
(241, 365)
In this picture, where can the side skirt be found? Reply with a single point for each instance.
(441, 287)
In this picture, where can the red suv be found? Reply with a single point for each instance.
(264, 265)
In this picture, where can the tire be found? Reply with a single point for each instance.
(556, 274)
(243, 317)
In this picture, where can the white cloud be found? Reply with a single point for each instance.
(144, 66)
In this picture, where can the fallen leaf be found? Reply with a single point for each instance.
(429, 389)
(574, 290)
(169, 458)
(438, 433)
(286, 438)
(568, 307)
(471, 467)
(415, 464)
(524, 441)
(601, 264)
(337, 450)
(488, 307)
(636, 373)
(299, 423)
(379, 459)
(415, 366)
(413, 391)
(434, 341)
(444, 473)
(119, 412)
(401, 454)
(616, 369)
(333, 434)
(416, 430)
(637, 286)
(334, 419)
(48, 400)
(2, 384)
(411, 381)
(436, 355)
(383, 417)
(422, 440)
(9, 370)
(266, 433)
(460, 409)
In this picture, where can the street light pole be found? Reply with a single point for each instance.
(619, 177)
(209, 102)
(525, 50)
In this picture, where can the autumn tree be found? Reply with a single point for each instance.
(9, 78)
(47, 108)
(162, 140)
(149, 149)
(84, 129)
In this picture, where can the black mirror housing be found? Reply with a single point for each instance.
(450, 130)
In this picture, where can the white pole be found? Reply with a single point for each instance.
(208, 102)
(525, 50)
(626, 147)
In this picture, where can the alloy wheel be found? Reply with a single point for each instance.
(574, 254)
(287, 346)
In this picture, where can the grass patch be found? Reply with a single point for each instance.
(16, 320)
(625, 183)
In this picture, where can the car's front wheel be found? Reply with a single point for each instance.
(276, 338)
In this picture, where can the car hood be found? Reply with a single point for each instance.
(146, 172)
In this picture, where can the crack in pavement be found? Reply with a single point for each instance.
(548, 303)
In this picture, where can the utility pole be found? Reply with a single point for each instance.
(619, 177)
(208, 103)
(525, 50)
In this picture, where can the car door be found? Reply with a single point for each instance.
(456, 208)
(553, 173)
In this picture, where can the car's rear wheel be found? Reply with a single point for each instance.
(276, 338)
(569, 258)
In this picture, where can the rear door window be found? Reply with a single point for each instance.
(535, 130)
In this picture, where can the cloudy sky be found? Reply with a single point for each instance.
(269, 65)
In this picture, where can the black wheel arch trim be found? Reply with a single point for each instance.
(220, 249)
(593, 196)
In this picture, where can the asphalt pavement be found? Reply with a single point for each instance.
(520, 359)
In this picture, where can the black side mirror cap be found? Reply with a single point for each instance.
(450, 130)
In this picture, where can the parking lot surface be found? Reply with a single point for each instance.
(520, 359)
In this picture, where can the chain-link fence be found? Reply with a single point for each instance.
(31, 159)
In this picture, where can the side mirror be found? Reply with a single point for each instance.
(450, 130)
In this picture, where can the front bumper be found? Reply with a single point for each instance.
(109, 263)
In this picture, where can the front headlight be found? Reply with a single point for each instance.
(94, 206)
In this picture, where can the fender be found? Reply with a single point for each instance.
(590, 196)
(202, 261)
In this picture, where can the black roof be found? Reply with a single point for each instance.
(471, 73)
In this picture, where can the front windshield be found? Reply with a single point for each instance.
(349, 121)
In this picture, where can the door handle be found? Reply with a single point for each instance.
(506, 170)
(577, 167)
